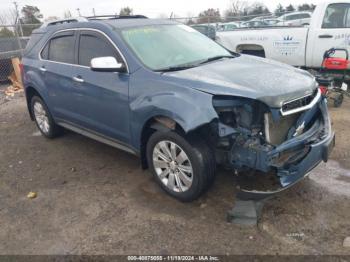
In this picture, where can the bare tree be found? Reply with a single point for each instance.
(8, 17)
(210, 15)
(126, 11)
(67, 14)
(237, 7)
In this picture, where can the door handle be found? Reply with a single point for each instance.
(43, 69)
(78, 79)
(325, 36)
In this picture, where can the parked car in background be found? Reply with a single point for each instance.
(183, 103)
(263, 18)
(228, 26)
(271, 22)
(253, 24)
(295, 19)
(207, 30)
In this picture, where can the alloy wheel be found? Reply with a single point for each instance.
(41, 117)
(172, 165)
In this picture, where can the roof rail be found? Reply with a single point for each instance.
(65, 21)
(111, 17)
(86, 19)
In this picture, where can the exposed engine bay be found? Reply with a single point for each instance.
(254, 137)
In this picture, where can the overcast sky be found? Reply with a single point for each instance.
(151, 8)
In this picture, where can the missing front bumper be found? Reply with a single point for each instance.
(313, 147)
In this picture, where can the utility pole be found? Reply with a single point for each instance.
(78, 10)
(18, 21)
(93, 11)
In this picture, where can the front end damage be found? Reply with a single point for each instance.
(259, 142)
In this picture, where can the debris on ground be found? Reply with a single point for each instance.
(32, 195)
(346, 242)
(203, 205)
(296, 236)
(15, 78)
(12, 90)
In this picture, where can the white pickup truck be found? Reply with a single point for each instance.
(304, 46)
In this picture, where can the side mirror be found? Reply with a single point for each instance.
(106, 64)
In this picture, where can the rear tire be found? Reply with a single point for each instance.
(43, 118)
(183, 167)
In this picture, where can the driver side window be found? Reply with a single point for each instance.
(92, 45)
(337, 16)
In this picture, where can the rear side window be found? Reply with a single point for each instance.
(305, 15)
(337, 16)
(45, 53)
(34, 39)
(92, 45)
(293, 17)
(60, 48)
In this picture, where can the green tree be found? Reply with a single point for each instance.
(304, 7)
(290, 8)
(30, 19)
(125, 11)
(279, 10)
(5, 32)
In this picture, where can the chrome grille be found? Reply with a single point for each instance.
(300, 104)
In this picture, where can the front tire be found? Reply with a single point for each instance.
(184, 168)
(43, 118)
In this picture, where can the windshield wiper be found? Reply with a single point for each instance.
(175, 68)
(188, 66)
(214, 58)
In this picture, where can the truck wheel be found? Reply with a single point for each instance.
(184, 168)
(43, 118)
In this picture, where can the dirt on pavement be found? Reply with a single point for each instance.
(94, 199)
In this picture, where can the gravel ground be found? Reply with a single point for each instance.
(94, 199)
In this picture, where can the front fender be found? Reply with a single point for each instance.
(190, 108)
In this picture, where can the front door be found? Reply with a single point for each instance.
(102, 99)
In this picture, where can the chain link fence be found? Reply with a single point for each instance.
(13, 40)
(263, 20)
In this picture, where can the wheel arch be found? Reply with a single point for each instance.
(155, 123)
(30, 92)
(251, 49)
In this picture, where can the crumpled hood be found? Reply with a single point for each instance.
(270, 82)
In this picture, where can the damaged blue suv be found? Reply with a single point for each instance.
(182, 102)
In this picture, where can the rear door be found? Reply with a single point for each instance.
(332, 31)
(57, 69)
(101, 97)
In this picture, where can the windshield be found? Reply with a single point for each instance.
(166, 46)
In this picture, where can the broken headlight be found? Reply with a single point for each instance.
(240, 112)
